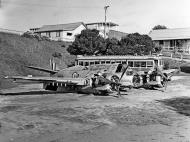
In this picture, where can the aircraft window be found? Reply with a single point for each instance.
(149, 63)
(113, 62)
(137, 64)
(107, 62)
(119, 68)
(97, 62)
(143, 64)
(103, 62)
(86, 64)
(130, 63)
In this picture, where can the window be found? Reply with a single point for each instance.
(91, 63)
(86, 64)
(137, 64)
(161, 42)
(124, 62)
(69, 34)
(103, 62)
(107, 62)
(58, 34)
(119, 68)
(97, 62)
(130, 63)
(172, 43)
(149, 63)
(118, 62)
(48, 34)
(81, 63)
(143, 64)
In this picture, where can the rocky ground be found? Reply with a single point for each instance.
(29, 114)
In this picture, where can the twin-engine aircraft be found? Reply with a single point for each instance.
(97, 79)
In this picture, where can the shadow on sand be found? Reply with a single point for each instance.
(32, 93)
(180, 105)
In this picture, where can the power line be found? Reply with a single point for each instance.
(47, 5)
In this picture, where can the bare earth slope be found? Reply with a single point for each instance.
(16, 51)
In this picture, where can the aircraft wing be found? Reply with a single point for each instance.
(72, 81)
(42, 69)
(170, 72)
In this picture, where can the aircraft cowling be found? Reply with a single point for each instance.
(114, 80)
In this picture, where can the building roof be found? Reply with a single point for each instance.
(168, 34)
(116, 34)
(60, 27)
(103, 23)
(117, 57)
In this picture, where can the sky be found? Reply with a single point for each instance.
(131, 15)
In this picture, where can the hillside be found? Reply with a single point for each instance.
(17, 51)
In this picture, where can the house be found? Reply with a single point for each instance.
(101, 26)
(61, 32)
(116, 34)
(172, 40)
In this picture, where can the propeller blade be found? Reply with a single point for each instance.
(123, 73)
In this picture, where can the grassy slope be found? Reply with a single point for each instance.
(16, 51)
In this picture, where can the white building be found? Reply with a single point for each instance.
(172, 40)
(100, 26)
(61, 32)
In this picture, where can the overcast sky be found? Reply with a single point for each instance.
(131, 15)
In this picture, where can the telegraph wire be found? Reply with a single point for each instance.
(46, 5)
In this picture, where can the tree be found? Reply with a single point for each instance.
(159, 27)
(88, 42)
(136, 44)
(112, 47)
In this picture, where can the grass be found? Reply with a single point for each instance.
(17, 51)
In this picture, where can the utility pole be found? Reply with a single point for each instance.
(105, 8)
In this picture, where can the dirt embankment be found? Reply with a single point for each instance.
(17, 51)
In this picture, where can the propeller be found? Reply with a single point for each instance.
(123, 72)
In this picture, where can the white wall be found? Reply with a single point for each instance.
(71, 38)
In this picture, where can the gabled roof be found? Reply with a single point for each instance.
(168, 34)
(60, 27)
(103, 23)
